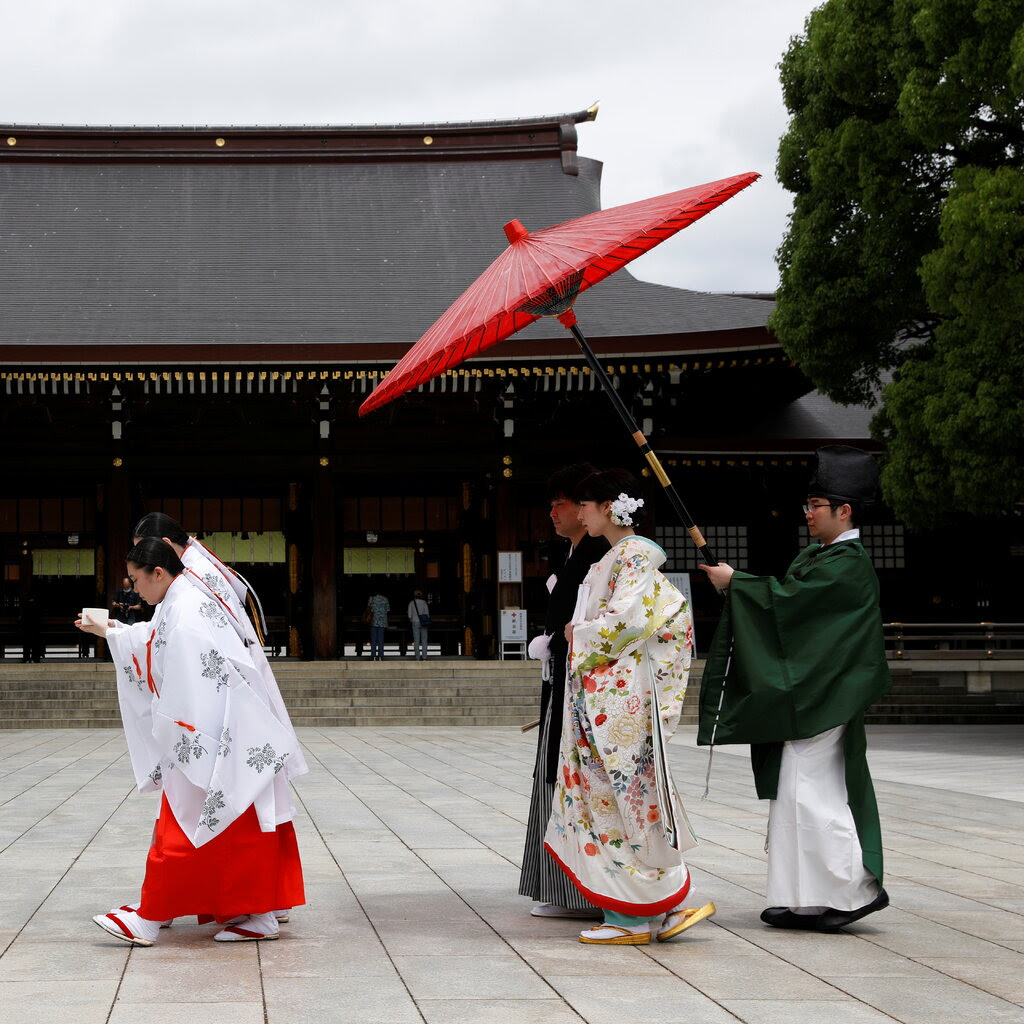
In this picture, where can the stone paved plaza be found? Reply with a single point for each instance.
(411, 841)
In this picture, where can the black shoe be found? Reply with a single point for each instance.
(783, 917)
(833, 920)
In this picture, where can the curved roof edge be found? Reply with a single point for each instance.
(514, 138)
(551, 136)
(578, 117)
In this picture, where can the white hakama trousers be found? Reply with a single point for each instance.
(814, 855)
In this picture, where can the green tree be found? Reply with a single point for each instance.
(905, 249)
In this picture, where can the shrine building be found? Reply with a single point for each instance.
(192, 317)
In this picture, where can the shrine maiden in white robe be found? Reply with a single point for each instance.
(196, 724)
(617, 826)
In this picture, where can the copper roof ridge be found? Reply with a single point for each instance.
(577, 117)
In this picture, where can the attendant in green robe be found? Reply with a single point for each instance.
(794, 665)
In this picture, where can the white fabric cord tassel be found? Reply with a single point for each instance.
(714, 728)
(662, 782)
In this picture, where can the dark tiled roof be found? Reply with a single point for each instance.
(140, 253)
(815, 416)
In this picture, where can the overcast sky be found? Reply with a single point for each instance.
(688, 91)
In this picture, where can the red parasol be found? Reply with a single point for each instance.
(540, 274)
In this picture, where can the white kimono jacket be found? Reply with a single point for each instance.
(213, 577)
(195, 723)
(617, 825)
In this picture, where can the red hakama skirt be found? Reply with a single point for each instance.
(242, 871)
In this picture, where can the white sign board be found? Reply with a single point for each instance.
(513, 625)
(681, 581)
(510, 567)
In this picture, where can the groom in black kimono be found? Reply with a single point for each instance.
(541, 878)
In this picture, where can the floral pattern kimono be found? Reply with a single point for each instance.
(617, 827)
(196, 725)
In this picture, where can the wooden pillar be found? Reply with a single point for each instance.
(325, 584)
(510, 595)
(113, 527)
(117, 539)
(505, 515)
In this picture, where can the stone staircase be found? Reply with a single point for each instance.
(438, 691)
(922, 698)
(72, 694)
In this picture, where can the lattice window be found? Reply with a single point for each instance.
(729, 544)
(885, 545)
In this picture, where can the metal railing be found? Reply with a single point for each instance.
(954, 640)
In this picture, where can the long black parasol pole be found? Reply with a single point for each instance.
(568, 320)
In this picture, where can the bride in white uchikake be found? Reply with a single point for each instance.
(617, 827)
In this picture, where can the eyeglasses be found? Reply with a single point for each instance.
(814, 508)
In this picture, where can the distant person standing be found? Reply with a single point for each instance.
(419, 619)
(541, 878)
(32, 646)
(128, 603)
(379, 608)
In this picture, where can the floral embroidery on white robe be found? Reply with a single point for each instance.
(608, 824)
(195, 723)
(212, 577)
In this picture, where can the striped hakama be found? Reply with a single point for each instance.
(542, 879)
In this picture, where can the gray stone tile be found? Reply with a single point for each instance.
(760, 976)
(497, 1011)
(845, 956)
(32, 1002)
(990, 924)
(215, 978)
(344, 955)
(470, 977)
(941, 1000)
(176, 1012)
(566, 956)
(999, 976)
(61, 961)
(297, 1001)
(804, 1011)
(1012, 905)
(668, 1000)
(962, 883)
(428, 938)
(916, 937)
